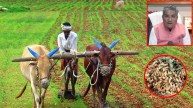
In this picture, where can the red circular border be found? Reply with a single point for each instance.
(151, 62)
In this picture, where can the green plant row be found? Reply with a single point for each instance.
(146, 102)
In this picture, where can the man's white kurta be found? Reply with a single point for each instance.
(67, 44)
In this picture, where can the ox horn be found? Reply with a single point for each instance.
(53, 52)
(98, 44)
(35, 56)
(33, 52)
(113, 44)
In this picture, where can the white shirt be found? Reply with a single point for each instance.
(67, 44)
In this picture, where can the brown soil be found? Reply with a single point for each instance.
(122, 97)
(86, 24)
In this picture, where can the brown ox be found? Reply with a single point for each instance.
(100, 69)
(37, 72)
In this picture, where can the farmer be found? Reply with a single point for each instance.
(67, 42)
(169, 32)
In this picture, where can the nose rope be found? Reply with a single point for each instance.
(38, 76)
(75, 74)
(39, 79)
(53, 66)
(96, 70)
(63, 72)
(109, 65)
(87, 66)
(103, 70)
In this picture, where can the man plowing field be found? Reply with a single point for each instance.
(67, 42)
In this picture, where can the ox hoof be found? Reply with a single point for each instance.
(105, 105)
(60, 93)
(68, 95)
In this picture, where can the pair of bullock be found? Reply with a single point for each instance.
(99, 62)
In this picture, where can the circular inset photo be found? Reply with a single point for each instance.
(165, 76)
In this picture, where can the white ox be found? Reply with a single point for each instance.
(37, 72)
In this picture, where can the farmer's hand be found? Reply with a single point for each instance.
(73, 52)
(61, 53)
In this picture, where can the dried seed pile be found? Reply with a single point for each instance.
(165, 76)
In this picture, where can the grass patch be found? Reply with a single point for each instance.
(187, 95)
(26, 28)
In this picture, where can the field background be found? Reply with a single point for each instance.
(38, 22)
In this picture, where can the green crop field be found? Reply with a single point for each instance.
(38, 22)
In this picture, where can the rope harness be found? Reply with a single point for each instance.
(49, 76)
(38, 74)
(104, 69)
(71, 64)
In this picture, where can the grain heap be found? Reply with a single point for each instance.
(165, 76)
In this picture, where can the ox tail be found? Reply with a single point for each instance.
(20, 94)
(88, 88)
